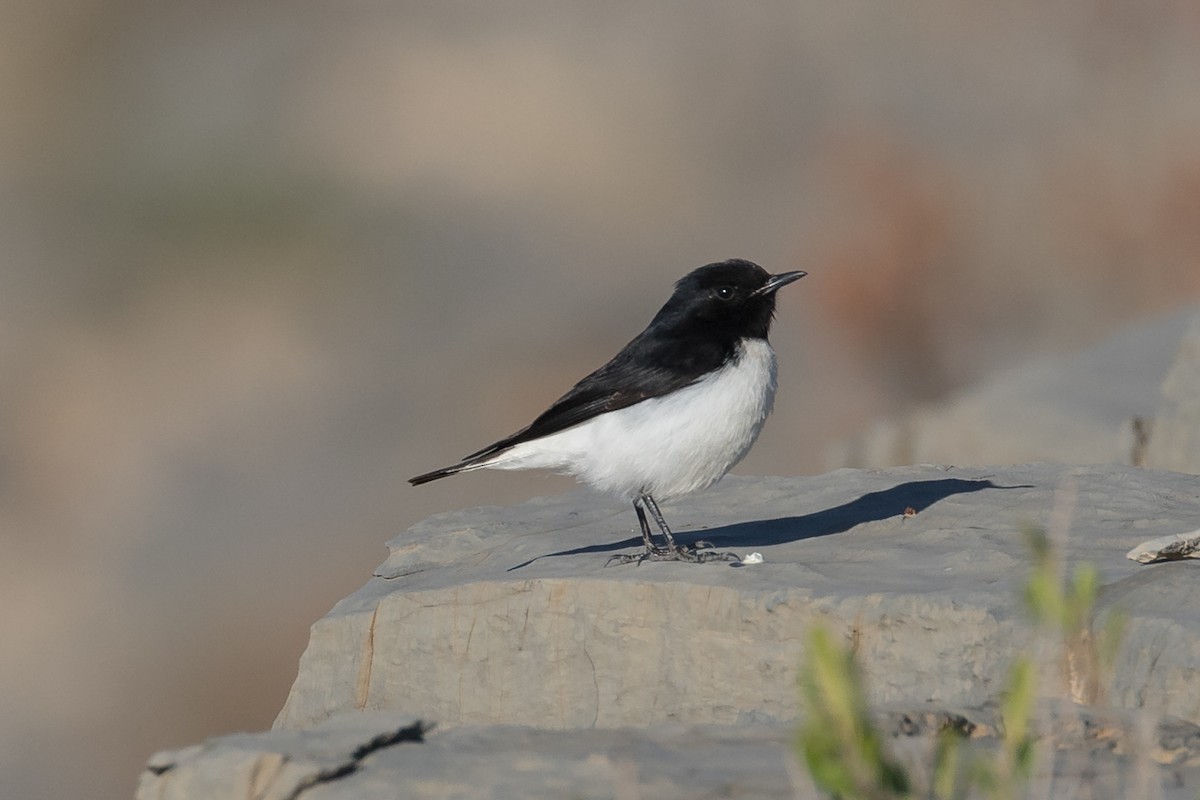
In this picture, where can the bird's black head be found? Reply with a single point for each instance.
(734, 298)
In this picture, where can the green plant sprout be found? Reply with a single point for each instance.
(846, 752)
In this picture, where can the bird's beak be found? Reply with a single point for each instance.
(775, 282)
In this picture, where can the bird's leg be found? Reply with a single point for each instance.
(647, 537)
(676, 553)
(652, 550)
(662, 523)
(672, 552)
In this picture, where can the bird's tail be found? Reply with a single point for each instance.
(441, 473)
(472, 462)
(477, 460)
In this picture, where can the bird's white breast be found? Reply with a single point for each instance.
(665, 446)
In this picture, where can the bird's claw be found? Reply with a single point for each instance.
(700, 553)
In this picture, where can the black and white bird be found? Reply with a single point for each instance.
(671, 413)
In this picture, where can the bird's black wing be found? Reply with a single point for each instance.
(646, 368)
(649, 366)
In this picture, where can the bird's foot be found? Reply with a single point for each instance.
(703, 551)
(654, 554)
(700, 553)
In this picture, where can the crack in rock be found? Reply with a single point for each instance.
(411, 733)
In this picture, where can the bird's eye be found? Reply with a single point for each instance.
(724, 292)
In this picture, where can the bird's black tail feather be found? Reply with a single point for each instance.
(472, 462)
(437, 473)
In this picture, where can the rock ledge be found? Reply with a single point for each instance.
(509, 615)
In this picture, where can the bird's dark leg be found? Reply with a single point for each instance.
(693, 553)
(662, 523)
(652, 550)
(647, 537)
(672, 552)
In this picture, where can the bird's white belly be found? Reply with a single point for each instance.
(665, 446)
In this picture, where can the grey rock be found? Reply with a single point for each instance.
(509, 615)
(367, 756)
(279, 766)
(1175, 440)
(1094, 406)
(1167, 548)
(380, 756)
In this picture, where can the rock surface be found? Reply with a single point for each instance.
(1175, 440)
(278, 766)
(1094, 406)
(509, 615)
(380, 756)
(1167, 548)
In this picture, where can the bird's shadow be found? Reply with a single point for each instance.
(870, 507)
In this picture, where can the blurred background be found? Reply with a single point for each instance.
(263, 262)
